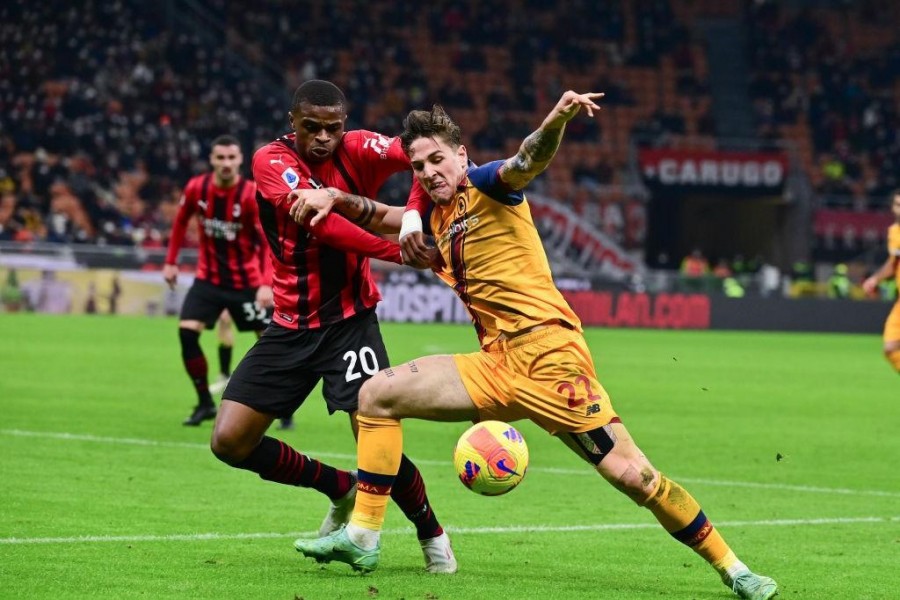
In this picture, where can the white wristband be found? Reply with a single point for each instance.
(410, 223)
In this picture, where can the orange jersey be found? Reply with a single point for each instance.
(494, 260)
(894, 250)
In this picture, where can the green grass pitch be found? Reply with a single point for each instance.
(789, 442)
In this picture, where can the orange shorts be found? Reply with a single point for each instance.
(892, 325)
(546, 376)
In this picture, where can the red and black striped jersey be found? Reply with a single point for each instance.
(322, 276)
(232, 253)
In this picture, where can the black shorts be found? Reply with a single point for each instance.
(205, 302)
(284, 366)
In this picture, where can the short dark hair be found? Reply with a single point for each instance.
(225, 140)
(318, 93)
(427, 124)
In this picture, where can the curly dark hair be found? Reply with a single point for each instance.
(427, 124)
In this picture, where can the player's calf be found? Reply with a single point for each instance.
(615, 456)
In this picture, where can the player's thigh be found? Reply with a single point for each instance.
(349, 353)
(203, 303)
(245, 312)
(547, 377)
(275, 377)
(429, 388)
(225, 329)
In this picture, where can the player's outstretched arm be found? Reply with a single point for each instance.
(368, 214)
(539, 148)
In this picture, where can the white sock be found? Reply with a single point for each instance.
(366, 539)
(734, 570)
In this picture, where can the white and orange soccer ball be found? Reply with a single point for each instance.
(491, 458)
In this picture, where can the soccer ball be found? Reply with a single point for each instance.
(491, 458)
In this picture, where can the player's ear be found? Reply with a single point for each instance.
(291, 119)
(463, 156)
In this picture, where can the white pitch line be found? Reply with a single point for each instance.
(551, 470)
(201, 537)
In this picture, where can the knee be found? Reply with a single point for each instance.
(638, 482)
(227, 446)
(374, 400)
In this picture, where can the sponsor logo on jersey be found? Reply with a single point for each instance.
(219, 229)
(291, 178)
(457, 227)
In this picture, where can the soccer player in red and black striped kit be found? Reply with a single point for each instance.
(233, 269)
(324, 326)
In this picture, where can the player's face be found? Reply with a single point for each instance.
(895, 207)
(226, 163)
(439, 167)
(319, 130)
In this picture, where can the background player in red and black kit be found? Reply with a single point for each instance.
(233, 269)
(324, 325)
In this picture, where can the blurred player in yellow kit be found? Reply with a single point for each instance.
(888, 270)
(534, 362)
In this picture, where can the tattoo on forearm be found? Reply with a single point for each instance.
(362, 207)
(413, 367)
(389, 372)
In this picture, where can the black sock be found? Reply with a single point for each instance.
(273, 460)
(195, 364)
(408, 492)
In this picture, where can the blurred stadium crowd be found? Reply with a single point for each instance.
(107, 107)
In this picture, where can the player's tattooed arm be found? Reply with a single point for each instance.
(533, 156)
(539, 148)
(366, 213)
(358, 209)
